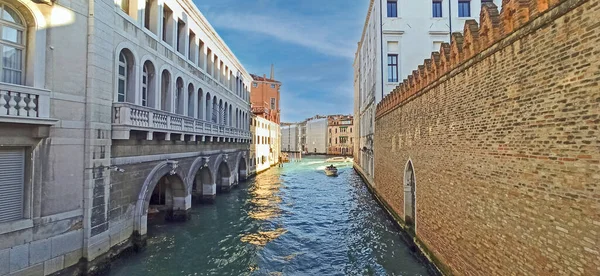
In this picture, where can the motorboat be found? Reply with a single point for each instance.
(331, 171)
(336, 159)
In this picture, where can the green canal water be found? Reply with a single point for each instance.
(287, 221)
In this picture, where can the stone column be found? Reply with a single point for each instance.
(209, 192)
(181, 208)
(226, 184)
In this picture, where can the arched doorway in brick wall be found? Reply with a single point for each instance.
(410, 195)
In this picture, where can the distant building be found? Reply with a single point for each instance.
(265, 150)
(340, 135)
(316, 135)
(290, 138)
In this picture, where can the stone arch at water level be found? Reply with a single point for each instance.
(223, 176)
(164, 193)
(410, 195)
(242, 169)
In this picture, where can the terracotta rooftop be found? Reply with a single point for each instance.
(259, 78)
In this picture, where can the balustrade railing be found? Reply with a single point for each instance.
(149, 119)
(24, 102)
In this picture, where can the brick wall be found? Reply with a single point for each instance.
(502, 129)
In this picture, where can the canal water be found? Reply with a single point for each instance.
(287, 221)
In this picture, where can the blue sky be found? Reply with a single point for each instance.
(311, 43)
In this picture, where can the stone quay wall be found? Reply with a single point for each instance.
(501, 127)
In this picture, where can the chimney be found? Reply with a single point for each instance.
(272, 72)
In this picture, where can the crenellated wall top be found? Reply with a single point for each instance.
(475, 38)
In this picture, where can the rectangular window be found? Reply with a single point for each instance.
(167, 26)
(464, 8)
(144, 88)
(125, 6)
(392, 68)
(12, 64)
(437, 8)
(12, 169)
(192, 47)
(392, 9)
(273, 86)
(254, 84)
(273, 104)
(181, 37)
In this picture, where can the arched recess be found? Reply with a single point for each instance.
(220, 120)
(165, 90)
(202, 178)
(200, 104)
(208, 108)
(148, 91)
(230, 116)
(222, 173)
(191, 99)
(179, 98)
(225, 113)
(215, 110)
(410, 195)
(168, 177)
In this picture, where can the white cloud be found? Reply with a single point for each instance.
(300, 31)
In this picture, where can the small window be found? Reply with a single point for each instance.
(273, 104)
(392, 68)
(464, 8)
(437, 8)
(273, 86)
(254, 84)
(392, 9)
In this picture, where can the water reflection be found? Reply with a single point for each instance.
(286, 221)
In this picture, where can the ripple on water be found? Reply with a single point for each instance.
(286, 221)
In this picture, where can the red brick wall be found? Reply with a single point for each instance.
(505, 143)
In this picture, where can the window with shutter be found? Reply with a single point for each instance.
(12, 170)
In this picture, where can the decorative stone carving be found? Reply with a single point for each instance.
(174, 165)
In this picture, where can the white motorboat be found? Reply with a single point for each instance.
(331, 171)
(336, 159)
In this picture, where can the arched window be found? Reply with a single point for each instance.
(126, 77)
(12, 45)
(122, 78)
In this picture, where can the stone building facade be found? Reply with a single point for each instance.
(340, 135)
(265, 149)
(110, 113)
(489, 152)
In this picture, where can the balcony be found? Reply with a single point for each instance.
(129, 117)
(261, 108)
(25, 105)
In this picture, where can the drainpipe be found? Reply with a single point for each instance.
(450, 17)
(381, 43)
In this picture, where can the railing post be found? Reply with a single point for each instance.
(169, 122)
(3, 102)
(150, 118)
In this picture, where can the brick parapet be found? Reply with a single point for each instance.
(496, 31)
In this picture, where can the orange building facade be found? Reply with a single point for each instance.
(265, 97)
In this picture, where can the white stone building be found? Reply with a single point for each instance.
(102, 103)
(398, 35)
(266, 142)
(316, 136)
(290, 138)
